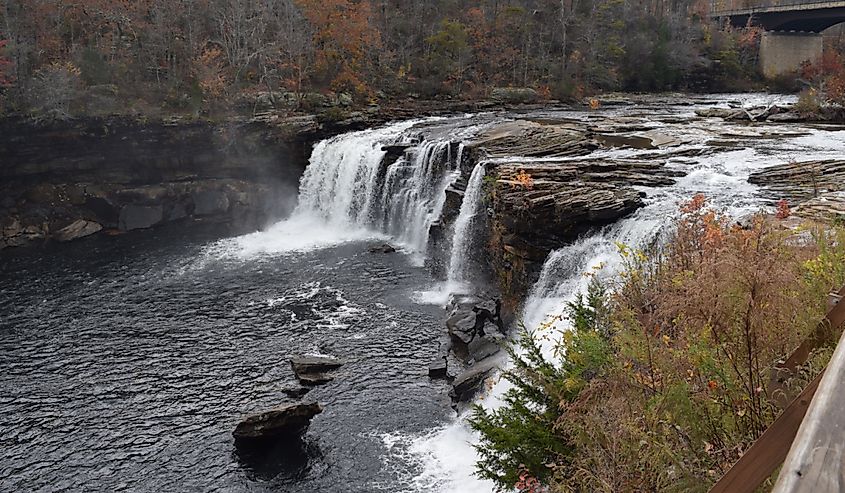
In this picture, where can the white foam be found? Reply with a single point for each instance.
(302, 232)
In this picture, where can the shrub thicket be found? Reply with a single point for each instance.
(663, 381)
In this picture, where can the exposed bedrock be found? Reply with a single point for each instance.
(126, 174)
(541, 191)
(813, 189)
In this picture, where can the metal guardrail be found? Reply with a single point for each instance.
(725, 8)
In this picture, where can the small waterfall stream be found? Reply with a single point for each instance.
(462, 239)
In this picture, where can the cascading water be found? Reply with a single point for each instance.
(349, 193)
(462, 238)
(447, 457)
(412, 195)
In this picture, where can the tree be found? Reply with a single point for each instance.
(6, 77)
(344, 41)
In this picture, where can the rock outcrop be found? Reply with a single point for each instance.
(469, 382)
(285, 421)
(539, 195)
(128, 174)
(801, 180)
(77, 229)
(314, 370)
(814, 189)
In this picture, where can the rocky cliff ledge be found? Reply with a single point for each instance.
(542, 191)
(66, 180)
(814, 189)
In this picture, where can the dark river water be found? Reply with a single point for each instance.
(126, 362)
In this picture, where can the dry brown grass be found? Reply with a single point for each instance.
(697, 329)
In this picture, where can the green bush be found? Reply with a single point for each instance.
(521, 437)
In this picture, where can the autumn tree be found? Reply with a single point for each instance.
(344, 41)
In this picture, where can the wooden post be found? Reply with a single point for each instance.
(815, 461)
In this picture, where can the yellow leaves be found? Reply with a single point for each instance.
(571, 384)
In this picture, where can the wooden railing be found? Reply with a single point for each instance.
(808, 438)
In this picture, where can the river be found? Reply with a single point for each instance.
(125, 362)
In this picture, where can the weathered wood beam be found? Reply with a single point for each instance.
(816, 460)
(769, 451)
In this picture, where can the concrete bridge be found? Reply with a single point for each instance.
(792, 28)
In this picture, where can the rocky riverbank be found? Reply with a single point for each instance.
(64, 180)
(540, 193)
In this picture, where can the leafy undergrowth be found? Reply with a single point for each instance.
(663, 381)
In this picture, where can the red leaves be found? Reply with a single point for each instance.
(782, 209)
(528, 483)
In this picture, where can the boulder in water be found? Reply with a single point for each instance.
(383, 248)
(469, 382)
(310, 370)
(287, 420)
(438, 368)
(485, 346)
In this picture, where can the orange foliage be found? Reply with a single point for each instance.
(782, 209)
(828, 74)
(524, 179)
(209, 69)
(343, 34)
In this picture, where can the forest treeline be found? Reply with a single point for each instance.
(187, 53)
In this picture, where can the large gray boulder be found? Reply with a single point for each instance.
(288, 420)
(470, 381)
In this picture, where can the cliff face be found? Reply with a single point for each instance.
(70, 179)
(541, 192)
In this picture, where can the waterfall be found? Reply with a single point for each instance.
(349, 192)
(414, 192)
(340, 182)
(462, 239)
(447, 456)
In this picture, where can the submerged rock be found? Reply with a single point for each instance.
(383, 248)
(311, 364)
(288, 420)
(296, 392)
